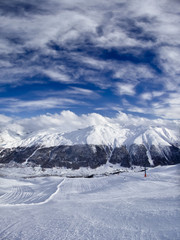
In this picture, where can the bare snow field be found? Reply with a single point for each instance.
(116, 207)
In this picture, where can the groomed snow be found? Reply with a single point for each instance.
(125, 206)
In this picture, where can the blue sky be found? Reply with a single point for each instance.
(90, 56)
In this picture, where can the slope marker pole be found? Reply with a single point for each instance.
(145, 175)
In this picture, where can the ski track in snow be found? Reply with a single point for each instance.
(119, 207)
(30, 195)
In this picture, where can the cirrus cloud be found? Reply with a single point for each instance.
(122, 51)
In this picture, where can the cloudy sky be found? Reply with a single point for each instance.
(97, 56)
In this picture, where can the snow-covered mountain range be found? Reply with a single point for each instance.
(91, 146)
(111, 135)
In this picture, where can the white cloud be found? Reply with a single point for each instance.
(65, 121)
(72, 92)
(125, 89)
(157, 93)
(93, 26)
(4, 119)
(146, 96)
(58, 76)
(93, 62)
(69, 121)
(170, 112)
(133, 72)
(170, 59)
(68, 22)
(170, 107)
(82, 92)
(17, 105)
(166, 108)
(151, 95)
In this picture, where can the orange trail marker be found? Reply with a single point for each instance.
(145, 173)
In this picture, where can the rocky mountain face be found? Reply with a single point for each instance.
(92, 156)
(92, 147)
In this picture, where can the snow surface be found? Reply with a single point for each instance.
(125, 206)
(113, 135)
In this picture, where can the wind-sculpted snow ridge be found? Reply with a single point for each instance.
(93, 146)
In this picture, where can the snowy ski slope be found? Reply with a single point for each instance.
(118, 207)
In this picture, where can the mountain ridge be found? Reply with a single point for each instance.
(110, 135)
(92, 146)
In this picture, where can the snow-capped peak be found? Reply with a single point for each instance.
(106, 134)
